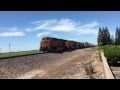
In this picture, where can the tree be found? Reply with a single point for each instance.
(116, 36)
(112, 41)
(103, 36)
(99, 36)
(107, 36)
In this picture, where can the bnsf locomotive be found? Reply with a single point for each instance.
(50, 44)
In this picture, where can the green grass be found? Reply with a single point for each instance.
(17, 54)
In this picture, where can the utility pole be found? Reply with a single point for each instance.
(9, 48)
(0, 50)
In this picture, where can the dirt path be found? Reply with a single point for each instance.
(79, 64)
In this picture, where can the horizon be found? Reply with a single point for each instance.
(25, 29)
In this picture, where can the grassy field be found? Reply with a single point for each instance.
(17, 54)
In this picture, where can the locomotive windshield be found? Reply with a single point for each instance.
(46, 38)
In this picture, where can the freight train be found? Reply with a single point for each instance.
(51, 44)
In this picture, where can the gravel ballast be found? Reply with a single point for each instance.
(77, 64)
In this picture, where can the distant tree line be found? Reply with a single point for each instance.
(104, 37)
(117, 36)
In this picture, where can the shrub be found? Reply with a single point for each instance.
(112, 53)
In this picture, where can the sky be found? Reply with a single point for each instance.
(25, 29)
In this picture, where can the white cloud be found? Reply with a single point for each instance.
(28, 29)
(10, 32)
(66, 25)
(8, 28)
(57, 25)
(43, 34)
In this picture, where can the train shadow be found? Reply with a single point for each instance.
(60, 52)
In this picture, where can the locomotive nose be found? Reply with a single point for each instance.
(46, 43)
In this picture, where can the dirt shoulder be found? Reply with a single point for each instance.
(78, 64)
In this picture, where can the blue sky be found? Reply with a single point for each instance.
(24, 29)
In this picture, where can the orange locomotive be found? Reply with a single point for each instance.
(52, 44)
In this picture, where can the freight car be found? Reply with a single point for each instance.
(68, 45)
(82, 45)
(86, 45)
(50, 44)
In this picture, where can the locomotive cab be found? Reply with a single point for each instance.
(45, 44)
